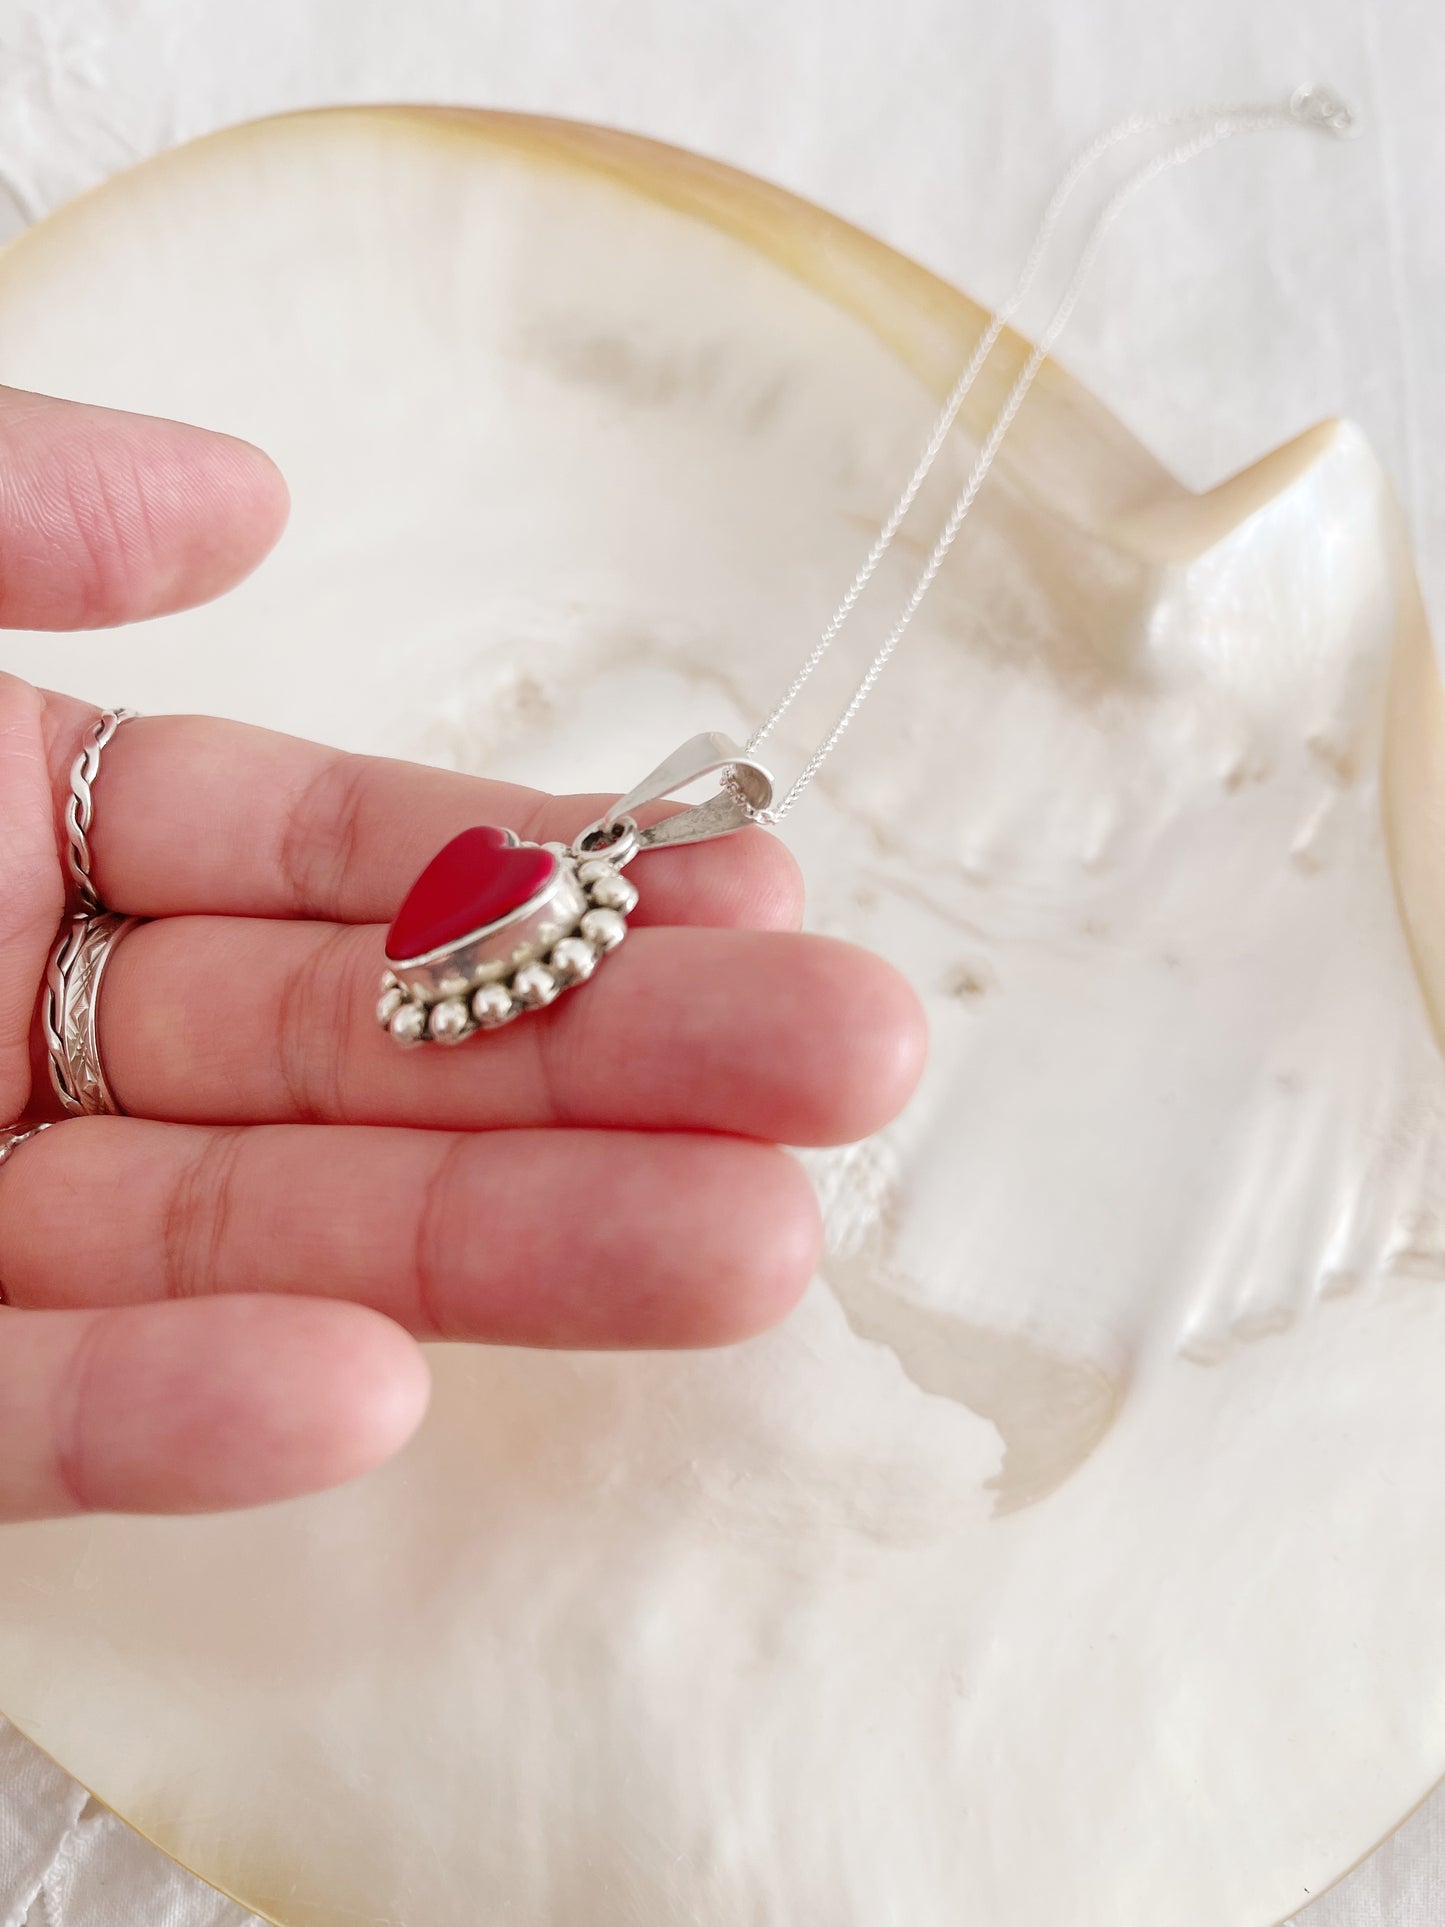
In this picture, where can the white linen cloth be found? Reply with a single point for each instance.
(66, 1862)
(1236, 304)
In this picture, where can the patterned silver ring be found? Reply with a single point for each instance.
(72, 1003)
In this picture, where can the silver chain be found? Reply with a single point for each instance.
(1309, 107)
(80, 808)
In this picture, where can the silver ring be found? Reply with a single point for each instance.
(72, 1003)
(11, 1139)
(80, 808)
(613, 837)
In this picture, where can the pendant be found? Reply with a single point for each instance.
(494, 926)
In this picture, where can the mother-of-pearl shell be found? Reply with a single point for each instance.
(1076, 1552)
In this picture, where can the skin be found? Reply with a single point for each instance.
(215, 1300)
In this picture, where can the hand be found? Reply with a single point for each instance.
(209, 1298)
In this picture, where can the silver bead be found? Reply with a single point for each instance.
(614, 892)
(573, 961)
(389, 1002)
(408, 1026)
(450, 1021)
(593, 871)
(492, 1005)
(603, 928)
(534, 985)
(558, 849)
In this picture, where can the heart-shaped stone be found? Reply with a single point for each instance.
(481, 877)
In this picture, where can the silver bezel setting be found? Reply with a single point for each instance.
(522, 962)
(497, 950)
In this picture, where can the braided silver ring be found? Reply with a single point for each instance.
(80, 808)
(11, 1141)
(83, 949)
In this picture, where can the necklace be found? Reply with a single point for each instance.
(495, 927)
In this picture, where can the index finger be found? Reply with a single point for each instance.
(109, 517)
(194, 815)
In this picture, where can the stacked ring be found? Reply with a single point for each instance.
(84, 947)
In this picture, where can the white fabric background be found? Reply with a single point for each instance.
(1275, 283)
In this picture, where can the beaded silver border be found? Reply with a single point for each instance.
(484, 980)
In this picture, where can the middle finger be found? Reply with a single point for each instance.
(223, 1020)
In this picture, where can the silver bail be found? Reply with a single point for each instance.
(720, 815)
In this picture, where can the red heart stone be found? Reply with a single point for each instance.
(479, 878)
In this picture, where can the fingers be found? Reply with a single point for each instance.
(802, 1040)
(573, 1238)
(108, 517)
(197, 1407)
(199, 815)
